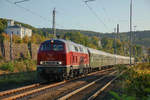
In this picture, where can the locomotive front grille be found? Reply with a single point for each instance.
(50, 62)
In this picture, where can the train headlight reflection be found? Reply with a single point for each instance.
(59, 62)
(41, 62)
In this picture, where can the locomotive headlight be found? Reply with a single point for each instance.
(41, 62)
(59, 62)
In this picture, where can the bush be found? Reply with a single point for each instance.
(19, 66)
(121, 67)
(16, 39)
(135, 83)
(143, 66)
(7, 67)
(23, 65)
(30, 65)
(138, 84)
(4, 36)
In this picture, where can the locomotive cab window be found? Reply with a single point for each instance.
(58, 47)
(48, 46)
(45, 46)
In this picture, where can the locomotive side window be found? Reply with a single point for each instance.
(58, 47)
(76, 48)
(81, 49)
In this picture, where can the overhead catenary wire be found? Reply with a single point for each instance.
(94, 13)
(105, 11)
(30, 11)
(21, 1)
(26, 9)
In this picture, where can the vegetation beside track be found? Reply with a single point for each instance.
(17, 73)
(20, 65)
(14, 80)
(134, 84)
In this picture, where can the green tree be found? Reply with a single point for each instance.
(3, 24)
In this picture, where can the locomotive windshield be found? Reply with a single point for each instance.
(49, 46)
(58, 47)
(45, 46)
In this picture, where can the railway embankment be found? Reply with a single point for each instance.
(20, 70)
(15, 80)
(19, 50)
(24, 56)
(134, 84)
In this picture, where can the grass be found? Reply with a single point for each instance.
(14, 80)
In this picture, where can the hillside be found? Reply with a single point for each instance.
(140, 37)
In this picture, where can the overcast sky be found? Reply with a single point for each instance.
(74, 14)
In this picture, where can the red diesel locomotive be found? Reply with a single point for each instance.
(61, 59)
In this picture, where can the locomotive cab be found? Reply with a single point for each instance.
(51, 59)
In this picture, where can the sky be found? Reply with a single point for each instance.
(99, 15)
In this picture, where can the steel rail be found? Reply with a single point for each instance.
(104, 87)
(7, 92)
(82, 88)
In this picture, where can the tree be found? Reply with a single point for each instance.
(16, 39)
(26, 39)
(4, 36)
(3, 24)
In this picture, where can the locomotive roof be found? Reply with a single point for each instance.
(70, 44)
(62, 40)
(90, 49)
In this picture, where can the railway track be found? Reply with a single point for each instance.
(91, 90)
(8, 92)
(36, 89)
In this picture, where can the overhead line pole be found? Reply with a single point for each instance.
(54, 29)
(134, 35)
(118, 32)
(11, 51)
(130, 31)
(115, 51)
